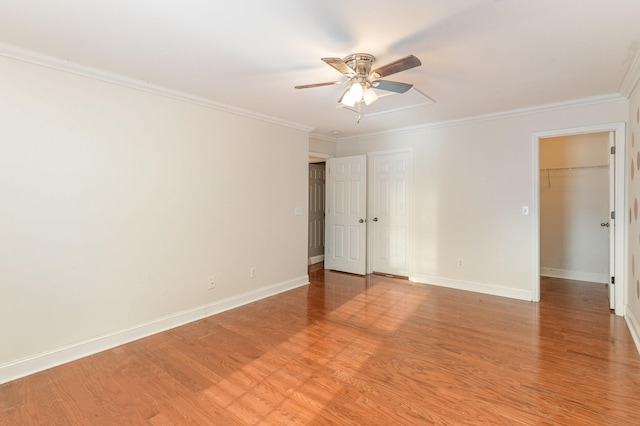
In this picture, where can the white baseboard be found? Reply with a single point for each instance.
(575, 275)
(316, 259)
(494, 290)
(634, 326)
(33, 364)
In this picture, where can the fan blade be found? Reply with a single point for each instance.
(391, 86)
(403, 64)
(308, 86)
(339, 65)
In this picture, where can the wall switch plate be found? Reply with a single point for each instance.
(525, 210)
(298, 211)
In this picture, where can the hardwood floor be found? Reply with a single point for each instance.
(358, 350)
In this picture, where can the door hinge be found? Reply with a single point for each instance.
(613, 150)
(613, 280)
(613, 215)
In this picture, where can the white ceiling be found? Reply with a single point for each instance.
(478, 56)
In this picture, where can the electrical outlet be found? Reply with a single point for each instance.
(460, 263)
(252, 272)
(212, 283)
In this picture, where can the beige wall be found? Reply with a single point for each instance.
(322, 146)
(470, 183)
(591, 149)
(119, 205)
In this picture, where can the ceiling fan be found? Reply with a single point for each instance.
(363, 80)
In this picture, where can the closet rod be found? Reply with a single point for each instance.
(575, 168)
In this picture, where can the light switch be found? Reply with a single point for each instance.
(525, 210)
(299, 211)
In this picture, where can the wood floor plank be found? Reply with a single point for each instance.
(359, 350)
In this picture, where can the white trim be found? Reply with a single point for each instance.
(408, 150)
(320, 155)
(473, 286)
(535, 219)
(620, 227)
(37, 58)
(33, 364)
(631, 77)
(634, 327)
(316, 259)
(590, 277)
(613, 97)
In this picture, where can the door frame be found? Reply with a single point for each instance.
(409, 242)
(318, 157)
(620, 229)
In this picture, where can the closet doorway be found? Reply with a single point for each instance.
(577, 171)
(574, 207)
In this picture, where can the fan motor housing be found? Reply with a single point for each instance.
(360, 62)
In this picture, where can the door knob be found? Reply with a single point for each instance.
(361, 221)
(603, 224)
(375, 219)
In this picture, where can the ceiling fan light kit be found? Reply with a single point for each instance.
(369, 96)
(362, 80)
(353, 94)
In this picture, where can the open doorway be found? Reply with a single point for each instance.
(317, 185)
(574, 207)
(572, 256)
(575, 232)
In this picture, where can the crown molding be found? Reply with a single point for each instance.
(613, 97)
(37, 58)
(631, 77)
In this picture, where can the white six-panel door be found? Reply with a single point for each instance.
(390, 217)
(612, 222)
(346, 227)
